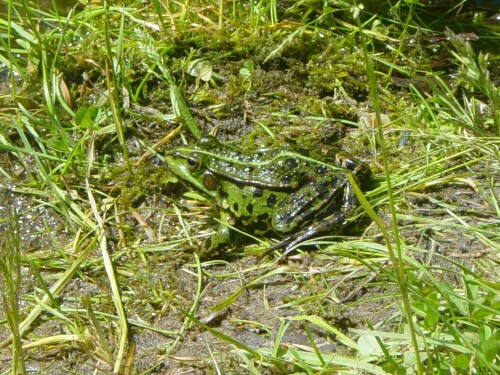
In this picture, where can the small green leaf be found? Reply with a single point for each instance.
(491, 347)
(86, 116)
(247, 69)
(461, 361)
(201, 69)
(430, 319)
(57, 143)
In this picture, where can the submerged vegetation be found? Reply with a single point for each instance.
(99, 269)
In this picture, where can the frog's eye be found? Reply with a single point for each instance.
(346, 161)
(193, 162)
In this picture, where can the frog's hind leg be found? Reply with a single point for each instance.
(335, 221)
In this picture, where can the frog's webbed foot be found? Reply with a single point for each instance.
(290, 243)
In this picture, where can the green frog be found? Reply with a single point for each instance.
(284, 190)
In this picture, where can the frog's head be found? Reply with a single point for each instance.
(188, 165)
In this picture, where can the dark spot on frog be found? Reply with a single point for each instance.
(291, 163)
(325, 187)
(324, 194)
(207, 141)
(339, 181)
(235, 207)
(257, 156)
(320, 169)
(261, 225)
(271, 200)
(263, 216)
(250, 208)
(257, 192)
(286, 179)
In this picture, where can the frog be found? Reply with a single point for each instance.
(292, 192)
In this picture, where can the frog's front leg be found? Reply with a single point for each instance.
(214, 245)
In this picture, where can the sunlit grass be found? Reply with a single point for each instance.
(113, 269)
